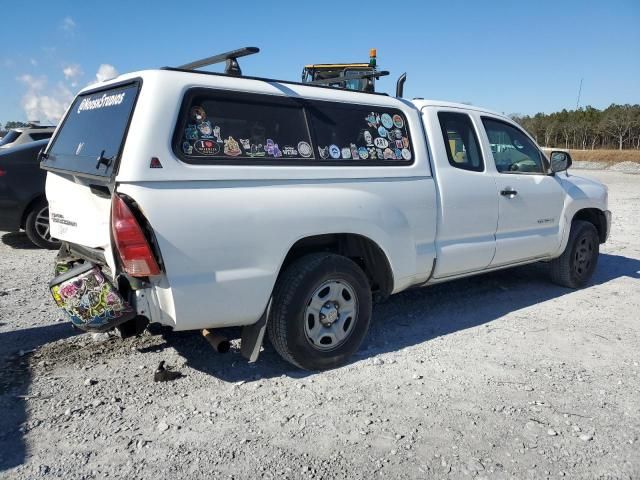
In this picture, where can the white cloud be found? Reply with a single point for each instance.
(106, 72)
(72, 72)
(68, 25)
(33, 62)
(40, 103)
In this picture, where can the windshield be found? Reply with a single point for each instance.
(10, 137)
(92, 135)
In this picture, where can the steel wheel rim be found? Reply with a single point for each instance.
(42, 224)
(330, 315)
(583, 257)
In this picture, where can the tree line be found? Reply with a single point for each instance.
(615, 127)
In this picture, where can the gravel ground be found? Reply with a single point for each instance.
(498, 376)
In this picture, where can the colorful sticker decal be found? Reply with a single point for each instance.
(381, 142)
(305, 149)
(379, 153)
(399, 144)
(372, 120)
(289, 151)
(206, 147)
(205, 129)
(191, 132)
(397, 121)
(324, 152)
(372, 153)
(334, 151)
(216, 133)
(406, 154)
(257, 150)
(231, 147)
(354, 151)
(198, 114)
(346, 153)
(405, 142)
(368, 138)
(398, 134)
(187, 148)
(386, 120)
(246, 144)
(363, 153)
(91, 301)
(272, 149)
(398, 153)
(382, 131)
(388, 154)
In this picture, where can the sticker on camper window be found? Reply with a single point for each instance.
(305, 149)
(324, 152)
(346, 153)
(363, 153)
(406, 154)
(289, 151)
(386, 120)
(334, 151)
(206, 147)
(382, 131)
(191, 132)
(388, 154)
(398, 122)
(381, 142)
(231, 147)
(205, 129)
(368, 138)
(198, 114)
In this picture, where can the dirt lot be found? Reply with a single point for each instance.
(498, 376)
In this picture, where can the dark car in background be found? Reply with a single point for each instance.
(22, 135)
(23, 204)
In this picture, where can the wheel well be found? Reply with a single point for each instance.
(362, 250)
(27, 209)
(597, 218)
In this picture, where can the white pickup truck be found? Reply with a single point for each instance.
(200, 200)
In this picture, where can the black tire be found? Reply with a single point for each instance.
(292, 300)
(576, 265)
(37, 228)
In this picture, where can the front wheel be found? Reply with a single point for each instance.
(321, 311)
(576, 265)
(37, 226)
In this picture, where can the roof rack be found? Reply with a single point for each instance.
(232, 67)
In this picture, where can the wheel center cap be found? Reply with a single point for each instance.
(328, 313)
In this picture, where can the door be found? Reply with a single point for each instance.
(530, 199)
(468, 206)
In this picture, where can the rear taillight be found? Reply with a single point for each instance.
(132, 245)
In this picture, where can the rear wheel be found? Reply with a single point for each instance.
(37, 226)
(577, 263)
(321, 311)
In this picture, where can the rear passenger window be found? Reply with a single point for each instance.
(227, 127)
(461, 141)
(351, 133)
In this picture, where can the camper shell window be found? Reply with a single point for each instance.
(94, 129)
(222, 127)
(230, 128)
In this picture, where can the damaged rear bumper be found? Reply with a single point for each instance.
(92, 302)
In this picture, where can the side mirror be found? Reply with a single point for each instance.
(560, 161)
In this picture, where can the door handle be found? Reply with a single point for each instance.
(508, 193)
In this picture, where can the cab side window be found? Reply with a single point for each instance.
(461, 141)
(512, 150)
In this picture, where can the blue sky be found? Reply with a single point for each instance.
(510, 56)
